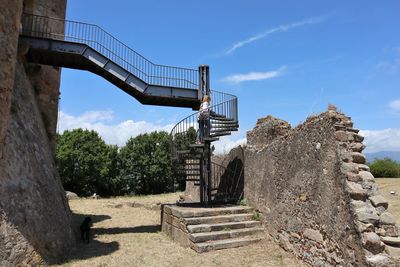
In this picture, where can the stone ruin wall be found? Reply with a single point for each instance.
(34, 214)
(315, 192)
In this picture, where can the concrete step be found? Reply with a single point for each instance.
(224, 244)
(219, 219)
(218, 235)
(203, 228)
(218, 134)
(215, 211)
(210, 139)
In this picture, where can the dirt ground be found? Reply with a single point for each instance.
(130, 236)
(386, 185)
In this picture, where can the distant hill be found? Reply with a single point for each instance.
(395, 155)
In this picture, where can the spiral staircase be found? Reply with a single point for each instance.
(71, 44)
(193, 162)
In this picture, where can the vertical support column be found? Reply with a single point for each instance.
(202, 184)
(205, 178)
(204, 81)
(207, 149)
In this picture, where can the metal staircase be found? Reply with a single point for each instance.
(78, 45)
(71, 44)
(193, 161)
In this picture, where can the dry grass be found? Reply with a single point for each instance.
(127, 236)
(385, 186)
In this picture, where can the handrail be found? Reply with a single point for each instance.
(106, 44)
(182, 132)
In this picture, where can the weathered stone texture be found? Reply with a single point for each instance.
(266, 130)
(34, 214)
(312, 182)
(46, 79)
(296, 181)
(10, 17)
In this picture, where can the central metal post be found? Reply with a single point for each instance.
(206, 175)
(204, 81)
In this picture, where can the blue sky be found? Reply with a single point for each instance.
(284, 58)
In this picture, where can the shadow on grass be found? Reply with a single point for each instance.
(118, 230)
(95, 248)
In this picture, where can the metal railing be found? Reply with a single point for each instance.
(107, 45)
(220, 176)
(184, 132)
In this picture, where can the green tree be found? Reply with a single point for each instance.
(146, 164)
(85, 162)
(385, 168)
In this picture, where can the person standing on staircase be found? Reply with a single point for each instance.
(204, 120)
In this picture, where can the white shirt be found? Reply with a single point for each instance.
(204, 111)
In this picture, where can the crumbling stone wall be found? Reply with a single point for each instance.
(316, 194)
(34, 214)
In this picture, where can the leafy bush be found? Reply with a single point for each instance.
(146, 164)
(85, 162)
(88, 165)
(385, 168)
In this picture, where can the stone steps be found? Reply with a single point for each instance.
(207, 212)
(224, 244)
(218, 235)
(207, 229)
(219, 219)
(202, 228)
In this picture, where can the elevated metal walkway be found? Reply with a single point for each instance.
(84, 46)
(77, 45)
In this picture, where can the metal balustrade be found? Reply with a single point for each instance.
(184, 131)
(224, 112)
(107, 45)
(223, 120)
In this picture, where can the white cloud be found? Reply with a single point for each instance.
(254, 76)
(226, 143)
(281, 28)
(395, 105)
(381, 140)
(103, 123)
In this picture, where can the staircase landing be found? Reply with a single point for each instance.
(208, 229)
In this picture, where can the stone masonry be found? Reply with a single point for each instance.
(316, 194)
(35, 226)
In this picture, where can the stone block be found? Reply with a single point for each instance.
(358, 138)
(380, 231)
(379, 201)
(393, 251)
(366, 176)
(358, 157)
(349, 167)
(363, 167)
(356, 191)
(356, 147)
(341, 136)
(387, 219)
(380, 260)
(353, 177)
(393, 241)
(365, 227)
(314, 235)
(367, 216)
(372, 242)
(391, 230)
